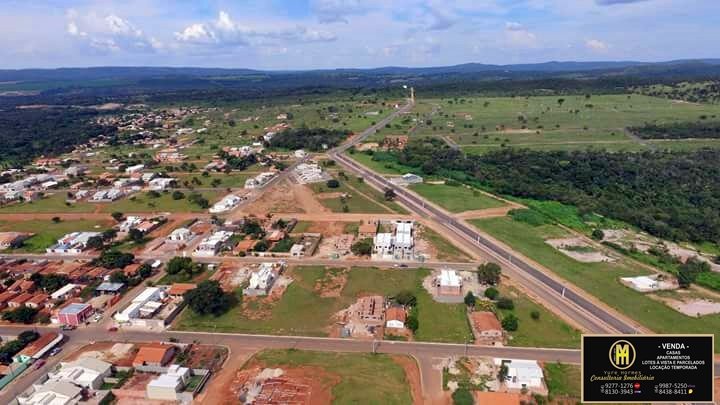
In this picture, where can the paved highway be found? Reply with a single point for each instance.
(562, 297)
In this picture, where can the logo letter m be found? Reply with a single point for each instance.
(622, 354)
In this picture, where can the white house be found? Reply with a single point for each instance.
(449, 282)
(259, 180)
(87, 372)
(522, 374)
(166, 386)
(160, 183)
(227, 203)
(64, 291)
(51, 393)
(399, 245)
(261, 280)
(180, 235)
(72, 243)
(134, 169)
(129, 223)
(211, 245)
(142, 304)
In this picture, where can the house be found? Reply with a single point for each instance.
(522, 374)
(74, 314)
(399, 245)
(261, 280)
(276, 236)
(66, 291)
(367, 230)
(448, 283)
(143, 306)
(161, 183)
(310, 173)
(170, 155)
(486, 326)
(300, 153)
(38, 347)
(166, 386)
(406, 180)
(37, 301)
(109, 195)
(211, 245)
(227, 203)
(180, 235)
(76, 170)
(395, 317)
(259, 180)
(19, 300)
(179, 289)
(22, 286)
(9, 240)
(134, 169)
(86, 372)
(72, 243)
(154, 354)
(109, 288)
(297, 250)
(129, 223)
(369, 310)
(51, 393)
(5, 298)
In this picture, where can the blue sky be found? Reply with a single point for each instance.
(307, 34)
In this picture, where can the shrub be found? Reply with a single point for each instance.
(505, 303)
(510, 323)
(492, 293)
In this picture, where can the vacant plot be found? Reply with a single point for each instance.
(456, 198)
(163, 203)
(50, 204)
(599, 279)
(563, 380)
(546, 331)
(303, 311)
(354, 378)
(48, 232)
(353, 196)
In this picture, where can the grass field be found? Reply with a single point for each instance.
(301, 311)
(547, 331)
(599, 279)
(50, 204)
(364, 378)
(165, 203)
(563, 380)
(380, 166)
(544, 123)
(232, 180)
(363, 198)
(48, 232)
(456, 198)
(445, 250)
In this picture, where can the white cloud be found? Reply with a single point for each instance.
(596, 45)
(224, 31)
(334, 11)
(110, 33)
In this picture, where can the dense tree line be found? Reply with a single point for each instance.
(314, 139)
(28, 133)
(678, 130)
(673, 195)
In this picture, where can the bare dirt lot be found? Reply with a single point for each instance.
(691, 307)
(296, 385)
(120, 354)
(333, 282)
(579, 250)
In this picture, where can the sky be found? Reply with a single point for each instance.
(319, 34)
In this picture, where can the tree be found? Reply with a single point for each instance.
(363, 247)
(412, 322)
(49, 282)
(185, 265)
(405, 298)
(118, 277)
(503, 372)
(489, 273)
(95, 242)
(462, 396)
(114, 259)
(389, 194)
(118, 216)
(598, 234)
(20, 315)
(56, 219)
(109, 234)
(510, 323)
(177, 195)
(332, 183)
(208, 299)
(136, 235)
(153, 194)
(689, 271)
(535, 315)
(470, 299)
(505, 303)
(492, 293)
(145, 271)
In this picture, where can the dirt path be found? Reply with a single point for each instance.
(412, 373)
